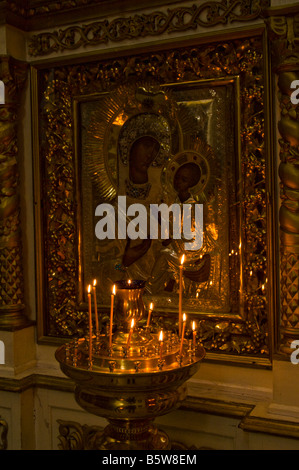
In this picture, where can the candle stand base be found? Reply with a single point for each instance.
(132, 435)
(130, 385)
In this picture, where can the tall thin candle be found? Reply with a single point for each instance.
(194, 334)
(151, 307)
(130, 333)
(111, 315)
(95, 305)
(161, 344)
(183, 334)
(181, 294)
(90, 321)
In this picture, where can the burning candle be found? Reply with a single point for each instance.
(161, 344)
(90, 321)
(95, 305)
(194, 334)
(149, 314)
(130, 333)
(181, 293)
(111, 316)
(183, 333)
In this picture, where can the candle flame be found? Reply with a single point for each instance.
(184, 317)
(151, 307)
(114, 290)
(89, 288)
(132, 323)
(193, 325)
(161, 336)
(129, 281)
(182, 259)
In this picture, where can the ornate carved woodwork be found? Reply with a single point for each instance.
(13, 74)
(237, 58)
(156, 23)
(284, 36)
(36, 15)
(244, 334)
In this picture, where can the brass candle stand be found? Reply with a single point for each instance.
(132, 379)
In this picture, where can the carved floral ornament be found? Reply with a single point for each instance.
(74, 436)
(154, 24)
(284, 36)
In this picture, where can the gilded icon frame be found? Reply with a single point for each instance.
(244, 337)
(215, 295)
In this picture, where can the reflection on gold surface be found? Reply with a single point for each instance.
(239, 323)
(175, 127)
(132, 376)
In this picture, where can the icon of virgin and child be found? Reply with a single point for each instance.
(148, 173)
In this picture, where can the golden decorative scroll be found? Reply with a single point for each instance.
(243, 332)
(179, 19)
(13, 74)
(74, 436)
(3, 434)
(284, 34)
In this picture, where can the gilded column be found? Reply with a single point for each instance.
(13, 74)
(284, 36)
